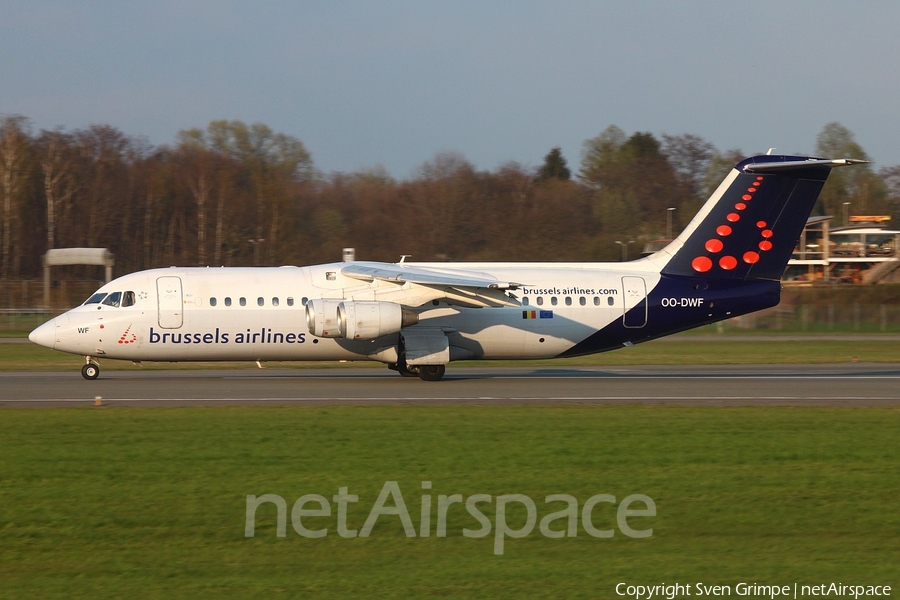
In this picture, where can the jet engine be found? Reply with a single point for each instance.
(322, 319)
(369, 320)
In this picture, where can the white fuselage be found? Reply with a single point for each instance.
(213, 314)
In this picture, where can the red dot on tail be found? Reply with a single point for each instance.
(714, 245)
(759, 178)
(733, 217)
(728, 262)
(740, 206)
(723, 230)
(701, 264)
(765, 245)
(746, 197)
(761, 224)
(751, 190)
(756, 183)
(767, 233)
(751, 258)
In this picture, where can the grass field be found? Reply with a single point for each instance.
(131, 502)
(128, 502)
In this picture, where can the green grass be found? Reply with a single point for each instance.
(127, 502)
(678, 351)
(19, 326)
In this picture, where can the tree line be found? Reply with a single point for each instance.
(237, 194)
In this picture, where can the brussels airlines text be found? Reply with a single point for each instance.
(262, 336)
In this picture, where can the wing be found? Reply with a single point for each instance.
(467, 288)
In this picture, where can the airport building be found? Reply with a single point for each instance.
(864, 251)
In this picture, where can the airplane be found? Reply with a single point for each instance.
(418, 317)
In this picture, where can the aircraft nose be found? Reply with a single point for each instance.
(45, 335)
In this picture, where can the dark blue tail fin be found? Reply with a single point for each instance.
(750, 225)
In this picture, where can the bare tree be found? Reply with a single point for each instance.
(689, 155)
(103, 148)
(272, 162)
(846, 185)
(194, 151)
(13, 147)
(59, 183)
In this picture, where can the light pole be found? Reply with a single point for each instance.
(669, 212)
(255, 243)
(846, 213)
(625, 249)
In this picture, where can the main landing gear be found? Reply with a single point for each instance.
(431, 372)
(90, 370)
(423, 372)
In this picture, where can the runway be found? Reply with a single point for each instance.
(848, 385)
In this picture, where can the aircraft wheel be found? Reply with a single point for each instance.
(90, 371)
(431, 372)
(403, 369)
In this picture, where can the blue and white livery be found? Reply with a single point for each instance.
(418, 317)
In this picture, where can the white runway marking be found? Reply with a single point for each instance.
(854, 385)
(464, 398)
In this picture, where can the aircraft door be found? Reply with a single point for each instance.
(635, 298)
(171, 304)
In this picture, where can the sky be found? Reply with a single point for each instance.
(392, 83)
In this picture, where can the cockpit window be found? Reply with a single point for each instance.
(113, 299)
(128, 299)
(96, 298)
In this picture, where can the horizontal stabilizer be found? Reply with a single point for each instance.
(801, 165)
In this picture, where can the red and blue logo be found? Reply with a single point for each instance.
(715, 246)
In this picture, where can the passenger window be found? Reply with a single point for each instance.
(554, 301)
(213, 301)
(596, 301)
(582, 301)
(227, 301)
(290, 301)
(113, 299)
(304, 300)
(610, 301)
(540, 300)
(568, 301)
(274, 301)
(261, 301)
(525, 301)
(96, 298)
(243, 301)
(128, 299)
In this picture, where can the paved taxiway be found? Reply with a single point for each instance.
(728, 385)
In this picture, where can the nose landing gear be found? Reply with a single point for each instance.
(91, 369)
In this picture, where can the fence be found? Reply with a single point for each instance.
(17, 322)
(821, 318)
(28, 294)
